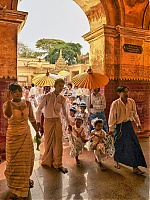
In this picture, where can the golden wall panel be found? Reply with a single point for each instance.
(127, 52)
(8, 49)
(9, 23)
(97, 55)
(134, 10)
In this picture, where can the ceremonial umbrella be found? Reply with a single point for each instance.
(64, 73)
(44, 80)
(90, 80)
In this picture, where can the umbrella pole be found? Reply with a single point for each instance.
(90, 96)
(90, 112)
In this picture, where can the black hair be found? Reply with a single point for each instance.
(32, 84)
(45, 87)
(14, 86)
(73, 110)
(82, 105)
(70, 84)
(59, 80)
(74, 104)
(98, 121)
(121, 88)
(98, 89)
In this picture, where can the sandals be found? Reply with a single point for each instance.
(31, 183)
(63, 169)
(116, 165)
(78, 163)
(12, 197)
(101, 166)
(137, 171)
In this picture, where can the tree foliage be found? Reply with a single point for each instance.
(46, 44)
(70, 50)
(25, 52)
(51, 49)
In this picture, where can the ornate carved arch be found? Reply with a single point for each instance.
(146, 18)
(115, 13)
(14, 4)
(121, 8)
(9, 4)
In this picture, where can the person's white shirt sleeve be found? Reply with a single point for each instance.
(40, 107)
(112, 117)
(135, 115)
(65, 113)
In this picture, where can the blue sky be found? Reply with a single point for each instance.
(54, 19)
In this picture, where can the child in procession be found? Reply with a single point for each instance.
(84, 115)
(72, 113)
(100, 143)
(77, 138)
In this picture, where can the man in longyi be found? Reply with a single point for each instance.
(53, 103)
(127, 147)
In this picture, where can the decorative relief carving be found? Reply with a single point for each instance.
(95, 12)
(2, 7)
(8, 71)
(139, 96)
(134, 10)
(9, 5)
(109, 71)
(14, 4)
(128, 72)
(116, 71)
(97, 60)
(132, 3)
(132, 32)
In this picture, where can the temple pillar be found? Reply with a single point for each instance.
(122, 54)
(10, 23)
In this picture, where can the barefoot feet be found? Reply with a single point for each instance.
(78, 162)
(63, 169)
(102, 166)
(116, 165)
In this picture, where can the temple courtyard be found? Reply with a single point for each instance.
(86, 182)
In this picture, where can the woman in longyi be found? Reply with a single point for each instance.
(19, 145)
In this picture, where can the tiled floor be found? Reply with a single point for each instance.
(86, 182)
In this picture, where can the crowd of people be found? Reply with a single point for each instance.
(74, 114)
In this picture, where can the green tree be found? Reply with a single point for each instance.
(25, 52)
(70, 50)
(46, 44)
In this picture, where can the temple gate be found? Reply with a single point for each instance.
(119, 41)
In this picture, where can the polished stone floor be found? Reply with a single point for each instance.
(86, 182)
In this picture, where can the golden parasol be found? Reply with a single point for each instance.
(90, 80)
(64, 73)
(44, 80)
